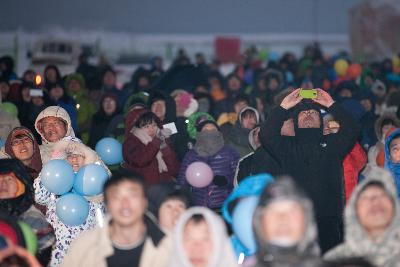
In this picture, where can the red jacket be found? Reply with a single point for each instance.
(141, 158)
(353, 163)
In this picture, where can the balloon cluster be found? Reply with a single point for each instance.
(343, 68)
(109, 150)
(59, 178)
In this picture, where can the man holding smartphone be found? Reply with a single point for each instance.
(314, 160)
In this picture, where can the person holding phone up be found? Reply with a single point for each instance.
(314, 160)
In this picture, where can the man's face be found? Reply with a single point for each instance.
(76, 161)
(198, 243)
(374, 208)
(283, 223)
(8, 186)
(169, 213)
(309, 119)
(249, 122)
(22, 147)
(346, 93)
(126, 203)
(159, 109)
(394, 148)
(53, 129)
(288, 128)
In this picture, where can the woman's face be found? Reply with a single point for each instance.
(56, 93)
(26, 95)
(109, 105)
(51, 75)
(151, 129)
(22, 148)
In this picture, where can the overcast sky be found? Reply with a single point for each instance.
(179, 16)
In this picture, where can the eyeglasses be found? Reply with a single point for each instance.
(19, 141)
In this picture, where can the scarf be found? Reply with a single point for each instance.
(146, 139)
(208, 143)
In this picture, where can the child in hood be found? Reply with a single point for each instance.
(200, 240)
(78, 155)
(392, 156)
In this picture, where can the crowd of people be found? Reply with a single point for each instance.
(318, 176)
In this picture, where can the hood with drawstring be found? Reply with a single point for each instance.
(251, 186)
(53, 111)
(222, 254)
(357, 243)
(393, 167)
(303, 253)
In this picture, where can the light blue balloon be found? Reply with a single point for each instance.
(57, 176)
(72, 209)
(90, 179)
(242, 219)
(109, 150)
(273, 56)
(2, 143)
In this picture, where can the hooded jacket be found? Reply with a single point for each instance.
(315, 163)
(251, 186)
(393, 167)
(66, 234)
(223, 164)
(85, 108)
(306, 251)
(35, 166)
(379, 146)
(143, 157)
(238, 137)
(101, 121)
(386, 253)
(222, 255)
(22, 207)
(53, 111)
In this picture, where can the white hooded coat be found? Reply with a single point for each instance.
(66, 234)
(222, 255)
(46, 148)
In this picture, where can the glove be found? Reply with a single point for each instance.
(220, 180)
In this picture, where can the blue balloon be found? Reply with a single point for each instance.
(273, 56)
(109, 150)
(57, 176)
(242, 222)
(72, 209)
(90, 179)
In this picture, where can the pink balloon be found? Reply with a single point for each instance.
(199, 174)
